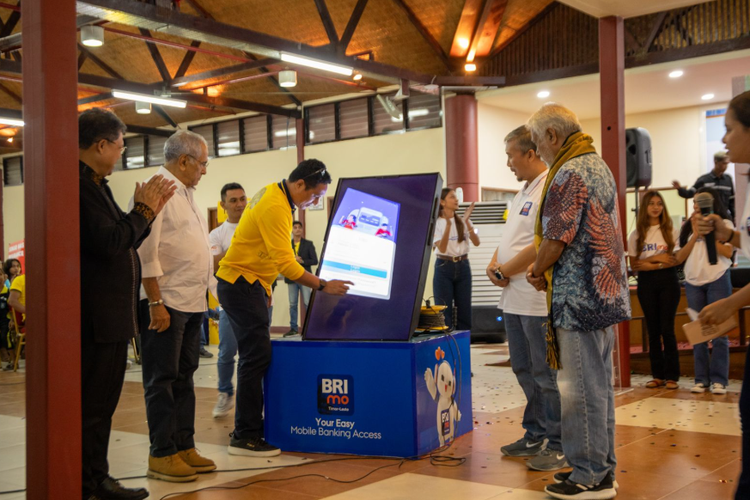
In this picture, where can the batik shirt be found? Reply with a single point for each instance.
(589, 284)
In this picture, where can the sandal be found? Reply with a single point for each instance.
(654, 384)
(672, 385)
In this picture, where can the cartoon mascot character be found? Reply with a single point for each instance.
(442, 387)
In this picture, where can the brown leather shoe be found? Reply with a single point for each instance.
(171, 468)
(196, 461)
(672, 385)
(655, 384)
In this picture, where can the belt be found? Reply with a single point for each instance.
(453, 259)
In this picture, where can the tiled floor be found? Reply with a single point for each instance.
(671, 445)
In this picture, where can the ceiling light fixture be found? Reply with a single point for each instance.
(676, 73)
(472, 54)
(357, 77)
(142, 108)
(92, 36)
(542, 94)
(470, 67)
(11, 121)
(165, 101)
(463, 43)
(288, 78)
(317, 64)
(10, 140)
(707, 97)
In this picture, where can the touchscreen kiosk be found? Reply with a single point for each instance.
(379, 237)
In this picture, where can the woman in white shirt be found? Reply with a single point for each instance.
(704, 285)
(451, 283)
(737, 140)
(650, 248)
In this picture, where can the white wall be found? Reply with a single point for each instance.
(493, 125)
(414, 152)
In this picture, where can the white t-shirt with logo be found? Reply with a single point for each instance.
(654, 244)
(454, 248)
(698, 271)
(221, 237)
(519, 297)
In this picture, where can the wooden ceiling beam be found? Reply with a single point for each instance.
(156, 56)
(96, 60)
(187, 60)
(655, 30)
(11, 94)
(544, 13)
(346, 38)
(11, 23)
(325, 17)
(488, 26)
(82, 59)
(164, 115)
(466, 27)
(426, 35)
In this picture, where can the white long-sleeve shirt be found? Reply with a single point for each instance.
(177, 252)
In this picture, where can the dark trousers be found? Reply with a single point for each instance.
(743, 486)
(246, 307)
(169, 360)
(451, 285)
(659, 295)
(102, 375)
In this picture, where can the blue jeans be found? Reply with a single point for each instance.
(528, 352)
(227, 352)
(588, 403)
(714, 368)
(451, 285)
(294, 289)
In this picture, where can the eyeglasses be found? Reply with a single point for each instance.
(320, 171)
(122, 148)
(203, 164)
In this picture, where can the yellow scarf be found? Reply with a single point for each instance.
(576, 145)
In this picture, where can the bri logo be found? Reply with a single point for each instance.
(336, 394)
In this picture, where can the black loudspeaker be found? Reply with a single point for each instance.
(487, 324)
(638, 156)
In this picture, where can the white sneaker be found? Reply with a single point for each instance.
(223, 405)
(698, 389)
(717, 388)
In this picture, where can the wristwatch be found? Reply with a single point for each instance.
(159, 302)
(322, 285)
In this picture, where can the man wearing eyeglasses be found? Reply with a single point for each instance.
(110, 276)
(260, 251)
(177, 269)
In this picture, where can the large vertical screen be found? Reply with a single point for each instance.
(378, 237)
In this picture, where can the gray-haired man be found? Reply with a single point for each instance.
(177, 267)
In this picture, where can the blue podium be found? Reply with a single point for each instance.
(396, 399)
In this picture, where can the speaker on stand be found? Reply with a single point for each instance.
(638, 160)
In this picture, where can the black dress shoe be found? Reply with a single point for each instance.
(111, 489)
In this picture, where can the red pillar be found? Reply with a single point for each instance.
(53, 373)
(612, 78)
(461, 145)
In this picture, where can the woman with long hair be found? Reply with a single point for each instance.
(650, 248)
(737, 140)
(704, 285)
(451, 283)
(12, 268)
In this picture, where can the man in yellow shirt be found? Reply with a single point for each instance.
(260, 250)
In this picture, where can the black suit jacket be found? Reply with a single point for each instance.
(308, 254)
(110, 268)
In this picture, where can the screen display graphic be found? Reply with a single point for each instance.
(361, 245)
(379, 237)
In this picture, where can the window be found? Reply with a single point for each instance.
(256, 133)
(385, 123)
(353, 118)
(13, 171)
(424, 111)
(228, 137)
(134, 157)
(207, 132)
(284, 132)
(156, 150)
(321, 124)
